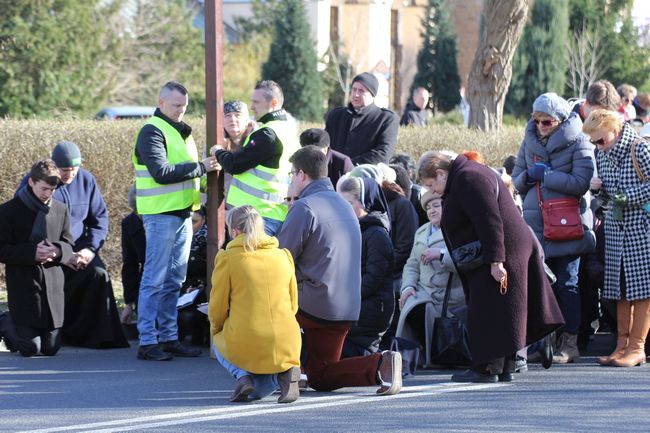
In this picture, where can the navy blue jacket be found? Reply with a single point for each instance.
(87, 208)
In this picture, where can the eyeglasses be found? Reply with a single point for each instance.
(544, 122)
(290, 199)
(600, 142)
(292, 172)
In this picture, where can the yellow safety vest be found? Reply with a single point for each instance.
(154, 198)
(262, 187)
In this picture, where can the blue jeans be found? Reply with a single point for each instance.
(272, 227)
(168, 249)
(265, 384)
(566, 289)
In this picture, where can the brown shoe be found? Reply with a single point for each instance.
(289, 389)
(243, 388)
(390, 373)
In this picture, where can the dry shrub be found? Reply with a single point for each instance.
(106, 151)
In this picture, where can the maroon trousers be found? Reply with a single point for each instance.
(325, 369)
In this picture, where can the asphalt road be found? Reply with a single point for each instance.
(82, 390)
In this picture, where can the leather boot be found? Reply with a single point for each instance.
(623, 325)
(635, 351)
(243, 388)
(567, 349)
(289, 388)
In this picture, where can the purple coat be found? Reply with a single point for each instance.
(498, 325)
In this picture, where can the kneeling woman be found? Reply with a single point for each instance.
(252, 311)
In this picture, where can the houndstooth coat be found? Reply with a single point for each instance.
(626, 241)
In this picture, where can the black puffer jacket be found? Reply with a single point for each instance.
(377, 299)
(403, 225)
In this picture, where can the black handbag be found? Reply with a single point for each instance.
(467, 257)
(450, 341)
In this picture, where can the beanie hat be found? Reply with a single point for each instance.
(368, 170)
(66, 154)
(316, 136)
(387, 172)
(235, 107)
(427, 197)
(369, 81)
(553, 105)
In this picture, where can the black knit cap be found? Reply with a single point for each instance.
(369, 81)
(316, 136)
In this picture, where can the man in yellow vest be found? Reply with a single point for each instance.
(261, 168)
(167, 170)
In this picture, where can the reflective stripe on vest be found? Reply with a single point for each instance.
(155, 198)
(262, 187)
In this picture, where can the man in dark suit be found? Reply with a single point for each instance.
(337, 163)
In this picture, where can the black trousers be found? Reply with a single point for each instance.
(45, 341)
(91, 316)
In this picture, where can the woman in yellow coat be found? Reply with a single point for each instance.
(252, 310)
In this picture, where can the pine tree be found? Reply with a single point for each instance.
(54, 56)
(436, 61)
(540, 62)
(292, 63)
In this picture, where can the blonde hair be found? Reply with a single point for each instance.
(249, 222)
(602, 119)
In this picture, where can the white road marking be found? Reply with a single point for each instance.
(263, 408)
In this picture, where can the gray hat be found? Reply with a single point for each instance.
(66, 154)
(553, 105)
(369, 81)
(235, 107)
(368, 170)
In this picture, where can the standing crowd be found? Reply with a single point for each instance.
(341, 253)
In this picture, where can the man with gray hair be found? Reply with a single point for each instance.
(167, 169)
(415, 112)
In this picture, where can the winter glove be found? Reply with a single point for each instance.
(619, 201)
(536, 172)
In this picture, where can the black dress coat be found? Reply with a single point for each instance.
(377, 298)
(478, 206)
(35, 291)
(367, 135)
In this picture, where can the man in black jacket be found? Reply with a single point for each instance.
(363, 131)
(415, 112)
(337, 163)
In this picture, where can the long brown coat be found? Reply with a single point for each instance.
(498, 325)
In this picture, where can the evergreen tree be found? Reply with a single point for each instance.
(292, 62)
(540, 62)
(622, 52)
(436, 61)
(54, 55)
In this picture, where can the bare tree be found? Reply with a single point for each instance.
(586, 63)
(491, 70)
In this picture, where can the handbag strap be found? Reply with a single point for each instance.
(635, 162)
(445, 303)
(537, 185)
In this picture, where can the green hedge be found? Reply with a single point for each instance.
(106, 151)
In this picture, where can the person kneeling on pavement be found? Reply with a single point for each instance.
(252, 311)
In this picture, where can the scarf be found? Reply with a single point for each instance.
(39, 230)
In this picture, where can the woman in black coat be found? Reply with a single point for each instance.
(510, 301)
(377, 299)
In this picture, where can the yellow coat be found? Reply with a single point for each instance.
(253, 305)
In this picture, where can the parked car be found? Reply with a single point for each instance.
(125, 112)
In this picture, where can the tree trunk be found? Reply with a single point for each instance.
(491, 70)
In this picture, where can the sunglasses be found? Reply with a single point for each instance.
(598, 142)
(290, 199)
(544, 122)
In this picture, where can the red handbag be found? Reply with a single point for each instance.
(561, 218)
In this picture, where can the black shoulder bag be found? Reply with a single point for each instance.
(450, 341)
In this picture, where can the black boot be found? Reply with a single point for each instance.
(8, 333)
